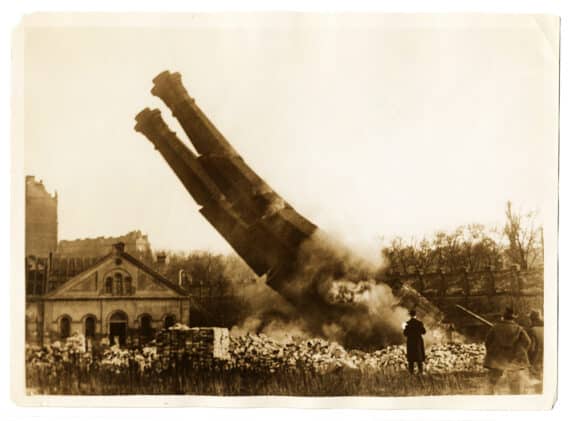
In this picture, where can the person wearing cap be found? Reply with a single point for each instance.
(415, 351)
(506, 344)
(536, 350)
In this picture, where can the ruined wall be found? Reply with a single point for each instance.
(136, 244)
(41, 219)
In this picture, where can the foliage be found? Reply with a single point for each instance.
(468, 247)
(215, 281)
(206, 268)
(473, 247)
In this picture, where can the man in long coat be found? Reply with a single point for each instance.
(536, 350)
(415, 351)
(507, 344)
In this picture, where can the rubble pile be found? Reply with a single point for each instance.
(261, 352)
(456, 357)
(115, 359)
(208, 348)
(203, 345)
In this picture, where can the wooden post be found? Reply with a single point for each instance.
(40, 326)
(33, 290)
(520, 281)
(442, 283)
(466, 285)
(45, 277)
(48, 273)
(491, 285)
(515, 282)
(421, 284)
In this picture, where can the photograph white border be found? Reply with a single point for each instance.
(459, 402)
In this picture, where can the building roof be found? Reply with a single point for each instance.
(118, 251)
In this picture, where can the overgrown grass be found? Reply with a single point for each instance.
(342, 382)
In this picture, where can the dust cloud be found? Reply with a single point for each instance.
(331, 292)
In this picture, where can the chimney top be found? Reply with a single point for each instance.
(119, 247)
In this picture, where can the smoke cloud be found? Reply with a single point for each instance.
(333, 293)
(267, 312)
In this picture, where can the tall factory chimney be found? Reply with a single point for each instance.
(271, 237)
(261, 227)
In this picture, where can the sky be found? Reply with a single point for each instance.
(370, 126)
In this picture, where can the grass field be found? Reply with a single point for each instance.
(343, 382)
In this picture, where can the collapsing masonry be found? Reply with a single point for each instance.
(336, 292)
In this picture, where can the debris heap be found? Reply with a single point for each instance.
(201, 345)
(207, 348)
(263, 353)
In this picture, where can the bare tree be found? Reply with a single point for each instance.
(523, 235)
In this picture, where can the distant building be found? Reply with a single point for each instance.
(117, 297)
(41, 219)
(136, 243)
(45, 274)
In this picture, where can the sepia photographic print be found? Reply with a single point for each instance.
(257, 209)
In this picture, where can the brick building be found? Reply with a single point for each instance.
(117, 297)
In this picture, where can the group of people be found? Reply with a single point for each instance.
(510, 348)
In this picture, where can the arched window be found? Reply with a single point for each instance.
(128, 286)
(89, 326)
(109, 285)
(64, 327)
(118, 284)
(169, 320)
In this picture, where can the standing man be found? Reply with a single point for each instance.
(536, 350)
(507, 344)
(415, 351)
